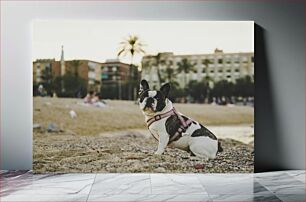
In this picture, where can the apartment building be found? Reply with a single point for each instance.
(217, 66)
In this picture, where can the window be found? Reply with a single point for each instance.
(252, 59)
(104, 69)
(220, 61)
(91, 74)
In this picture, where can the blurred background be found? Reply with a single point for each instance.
(209, 74)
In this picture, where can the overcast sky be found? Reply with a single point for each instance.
(99, 40)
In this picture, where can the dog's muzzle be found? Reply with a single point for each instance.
(149, 103)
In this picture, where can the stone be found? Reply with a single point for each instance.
(199, 166)
(36, 126)
(52, 128)
(73, 114)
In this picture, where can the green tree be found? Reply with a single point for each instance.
(185, 66)
(176, 92)
(206, 63)
(198, 90)
(223, 88)
(158, 60)
(169, 72)
(244, 87)
(72, 83)
(47, 79)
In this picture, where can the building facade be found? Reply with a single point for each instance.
(217, 66)
(44, 69)
(114, 71)
(94, 73)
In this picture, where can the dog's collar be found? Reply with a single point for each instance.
(160, 116)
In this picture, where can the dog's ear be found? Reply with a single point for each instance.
(165, 89)
(144, 85)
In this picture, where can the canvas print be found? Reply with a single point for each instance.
(143, 96)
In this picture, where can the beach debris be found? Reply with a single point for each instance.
(73, 114)
(199, 166)
(36, 126)
(133, 157)
(160, 170)
(52, 128)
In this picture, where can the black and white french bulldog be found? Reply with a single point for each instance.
(172, 128)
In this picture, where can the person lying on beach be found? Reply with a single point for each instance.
(93, 99)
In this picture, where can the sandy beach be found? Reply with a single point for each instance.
(115, 139)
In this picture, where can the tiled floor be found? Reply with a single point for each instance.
(273, 186)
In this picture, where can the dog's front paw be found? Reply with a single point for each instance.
(158, 153)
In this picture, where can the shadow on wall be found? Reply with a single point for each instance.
(267, 143)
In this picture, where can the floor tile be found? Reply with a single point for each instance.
(121, 184)
(288, 186)
(245, 198)
(58, 184)
(282, 183)
(298, 175)
(175, 184)
(216, 184)
(292, 197)
(150, 198)
(43, 198)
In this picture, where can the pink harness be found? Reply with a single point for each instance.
(181, 129)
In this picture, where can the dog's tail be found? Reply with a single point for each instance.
(220, 149)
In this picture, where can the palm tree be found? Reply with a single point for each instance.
(185, 67)
(131, 45)
(159, 61)
(169, 71)
(206, 63)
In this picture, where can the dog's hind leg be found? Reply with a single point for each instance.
(203, 147)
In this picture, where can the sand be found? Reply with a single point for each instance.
(115, 139)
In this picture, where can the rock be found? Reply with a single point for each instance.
(73, 114)
(199, 166)
(160, 170)
(52, 128)
(36, 126)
